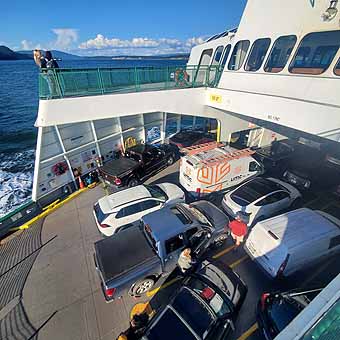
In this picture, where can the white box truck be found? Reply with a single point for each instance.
(212, 167)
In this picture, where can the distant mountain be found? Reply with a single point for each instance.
(7, 54)
(56, 54)
(144, 57)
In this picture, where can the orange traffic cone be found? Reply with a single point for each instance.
(81, 183)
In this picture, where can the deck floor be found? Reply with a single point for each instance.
(49, 287)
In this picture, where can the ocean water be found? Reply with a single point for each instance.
(18, 111)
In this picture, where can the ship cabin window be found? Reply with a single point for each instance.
(225, 55)
(280, 53)
(257, 54)
(315, 53)
(205, 57)
(337, 68)
(217, 55)
(238, 55)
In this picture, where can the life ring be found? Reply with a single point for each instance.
(59, 168)
(181, 77)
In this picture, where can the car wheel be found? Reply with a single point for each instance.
(133, 182)
(220, 240)
(143, 286)
(170, 160)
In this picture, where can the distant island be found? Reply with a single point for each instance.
(28, 54)
(7, 54)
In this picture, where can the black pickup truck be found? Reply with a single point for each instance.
(137, 164)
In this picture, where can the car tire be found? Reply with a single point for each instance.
(170, 160)
(142, 287)
(133, 182)
(220, 240)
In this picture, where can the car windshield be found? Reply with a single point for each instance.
(194, 311)
(210, 296)
(157, 192)
(203, 218)
(254, 190)
(169, 327)
(283, 311)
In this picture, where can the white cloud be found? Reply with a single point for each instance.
(65, 38)
(139, 45)
(29, 45)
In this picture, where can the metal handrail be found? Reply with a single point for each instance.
(62, 83)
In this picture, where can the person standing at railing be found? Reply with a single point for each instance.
(39, 59)
(51, 64)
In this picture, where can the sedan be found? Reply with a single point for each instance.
(204, 307)
(260, 198)
(124, 208)
(276, 310)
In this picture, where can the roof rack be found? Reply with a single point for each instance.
(193, 150)
(228, 157)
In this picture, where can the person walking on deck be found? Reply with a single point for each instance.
(238, 230)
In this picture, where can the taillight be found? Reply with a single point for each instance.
(198, 192)
(105, 226)
(263, 300)
(118, 181)
(110, 292)
(283, 266)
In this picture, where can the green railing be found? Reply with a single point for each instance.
(61, 83)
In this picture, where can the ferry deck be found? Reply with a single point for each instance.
(50, 288)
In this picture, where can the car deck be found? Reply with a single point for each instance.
(49, 287)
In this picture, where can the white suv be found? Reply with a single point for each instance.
(122, 209)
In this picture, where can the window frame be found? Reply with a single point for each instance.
(271, 50)
(166, 246)
(337, 64)
(213, 59)
(235, 50)
(251, 51)
(291, 64)
(202, 54)
(225, 57)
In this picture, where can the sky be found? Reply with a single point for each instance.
(111, 27)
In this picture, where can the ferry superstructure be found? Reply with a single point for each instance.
(274, 76)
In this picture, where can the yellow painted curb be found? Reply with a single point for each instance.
(167, 284)
(249, 332)
(49, 209)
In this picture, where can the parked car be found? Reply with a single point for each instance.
(204, 307)
(138, 163)
(187, 138)
(132, 260)
(120, 210)
(260, 198)
(191, 217)
(276, 310)
(292, 241)
(275, 155)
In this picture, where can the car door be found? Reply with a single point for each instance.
(129, 214)
(173, 248)
(150, 205)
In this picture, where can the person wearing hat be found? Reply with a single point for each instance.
(238, 230)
